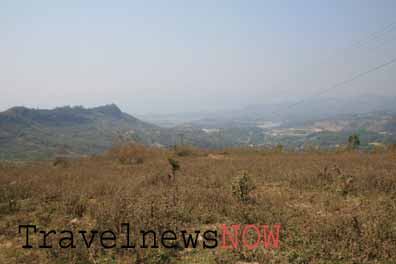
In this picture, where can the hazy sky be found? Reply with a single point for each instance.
(173, 56)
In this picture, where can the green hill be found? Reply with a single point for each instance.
(32, 133)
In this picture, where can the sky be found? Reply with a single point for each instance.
(190, 56)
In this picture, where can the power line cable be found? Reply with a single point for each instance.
(375, 35)
(380, 44)
(354, 45)
(344, 82)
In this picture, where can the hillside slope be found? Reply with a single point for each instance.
(32, 133)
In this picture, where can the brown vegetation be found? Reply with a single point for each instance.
(333, 207)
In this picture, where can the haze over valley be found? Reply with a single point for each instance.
(75, 131)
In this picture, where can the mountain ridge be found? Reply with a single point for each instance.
(27, 132)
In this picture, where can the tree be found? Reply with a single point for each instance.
(353, 141)
(175, 166)
(242, 185)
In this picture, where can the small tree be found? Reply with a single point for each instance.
(242, 186)
(175, 166)
(353, 141)
(278, 148)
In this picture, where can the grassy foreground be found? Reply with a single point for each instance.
(333, 207)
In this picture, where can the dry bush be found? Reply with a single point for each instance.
(62, 162)
(297, 190)
(134, 153)
(188, 151)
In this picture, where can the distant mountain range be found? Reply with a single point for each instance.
(321, 121)
(291, 112)
(320, 108)
(27, 133)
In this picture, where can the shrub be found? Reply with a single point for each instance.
(353, 141)
(242, 186)
(61, 162)
(133, 154)
(186, 151)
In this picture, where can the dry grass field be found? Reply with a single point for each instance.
(332, 207)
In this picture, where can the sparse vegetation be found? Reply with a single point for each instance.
(333, 207)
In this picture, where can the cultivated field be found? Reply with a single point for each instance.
(332, 207)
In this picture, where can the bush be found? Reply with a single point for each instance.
(186, 151)
(353, 141)
(132, 153)
(242, 186)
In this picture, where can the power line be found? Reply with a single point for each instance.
(344, 82)
(357, 44)
(381, 43)
(375, 35)
(354, 45)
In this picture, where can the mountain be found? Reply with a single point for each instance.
(74, 131)
(293, 112)
(319, 108)
(27, 133)
(322, 121)
(36, 133)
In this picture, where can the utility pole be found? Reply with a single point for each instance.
(181, 136)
